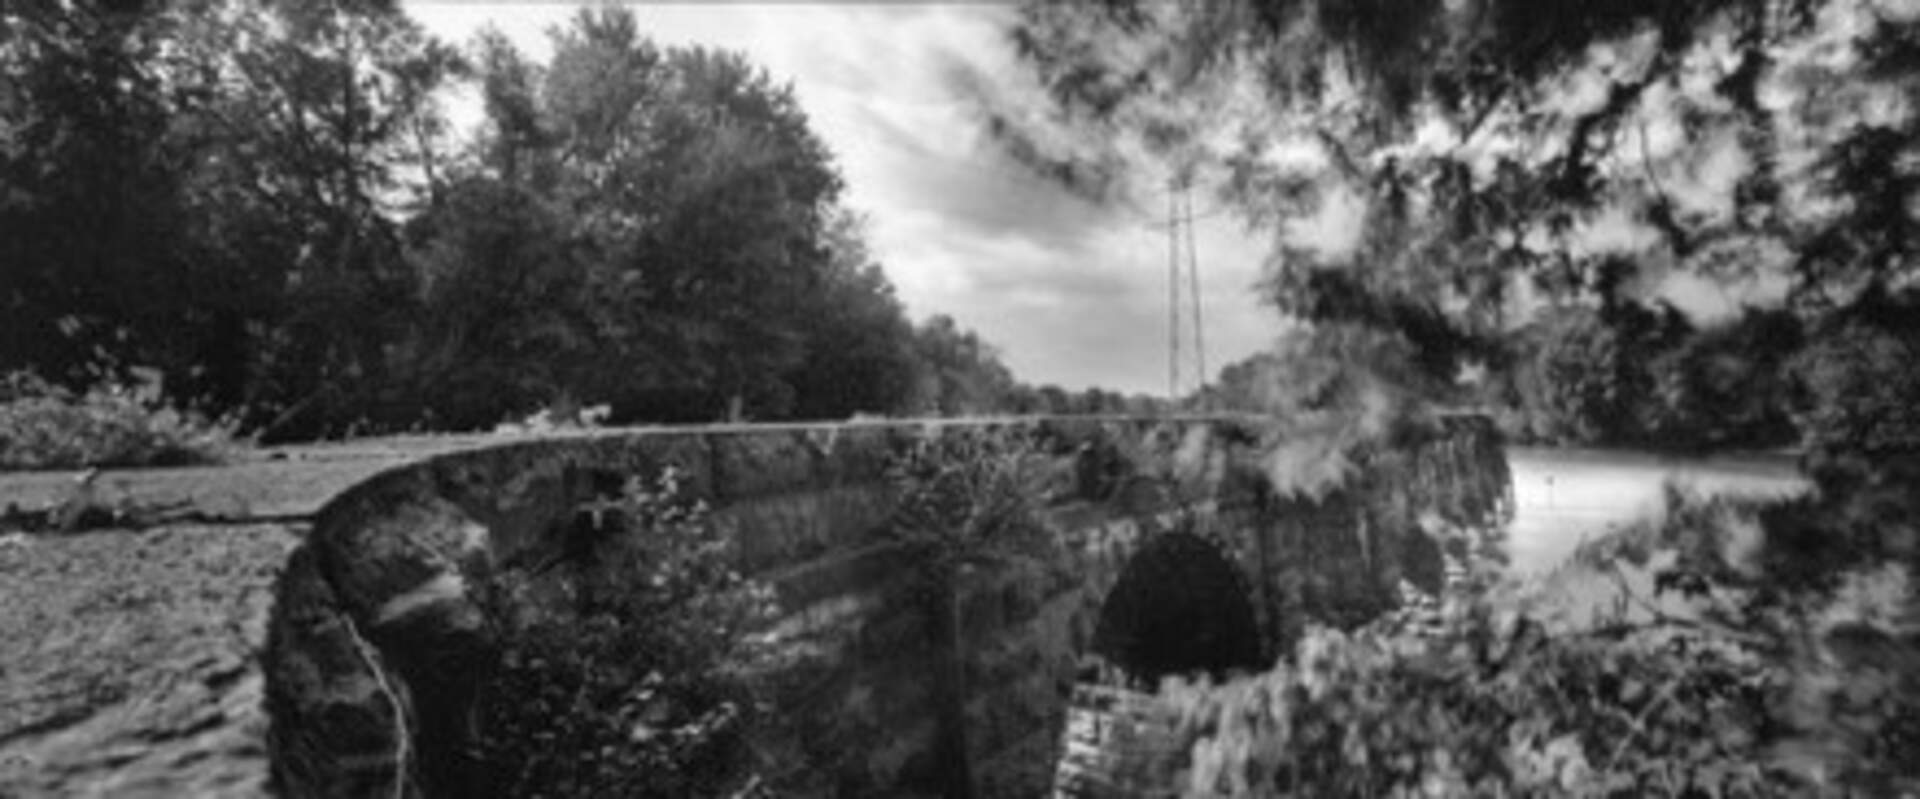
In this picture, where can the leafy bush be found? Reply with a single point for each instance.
(1580, 387)
(1726, 386)
(1709, 686)
(1644, 377)
(1861, 386)
(970, 496)
(43, 426)
(630, 678)
(968, 507)
(1489, 708)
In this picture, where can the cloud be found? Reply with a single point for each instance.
(1100, 318)
(975, 198)
(1072, 291)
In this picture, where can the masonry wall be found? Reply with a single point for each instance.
(374, 634)
(375, 641)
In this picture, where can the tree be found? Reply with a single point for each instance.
(623, 670)
(961, 375)
(969, 504)
(1572, 387)
(199, 187)
(691, 205)
(509, 86)
(1246, 385)
(1496, 149)
(496, 335)
(704, 197)
(1858, 381)
(91, 249)
(1728, 386)
(859, 344)
(1053, 400)
(1595, 377)
(316, 112)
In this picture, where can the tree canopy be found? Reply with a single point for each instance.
(265, 203)
(682, 207)
(205, 187)
(1500, 157)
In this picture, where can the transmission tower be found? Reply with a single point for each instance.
(1193, 297)
(1182, 251)
(1173, 294)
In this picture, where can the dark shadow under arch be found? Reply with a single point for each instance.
(1179, 607)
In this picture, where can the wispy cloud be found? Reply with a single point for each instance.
(1072, 291)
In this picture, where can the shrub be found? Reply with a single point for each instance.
(1748, 692)
(1486, 709)
(629, 679)
(1726, 386)
(968, 507)
(43, 426)
(1861, 384)
(1577, 387)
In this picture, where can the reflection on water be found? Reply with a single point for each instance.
(1563, 496)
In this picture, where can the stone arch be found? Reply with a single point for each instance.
(1179, 606)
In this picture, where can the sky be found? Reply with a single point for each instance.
(1071, 293)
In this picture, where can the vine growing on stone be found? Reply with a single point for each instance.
(623, 672)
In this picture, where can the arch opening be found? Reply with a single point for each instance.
(1179, 607)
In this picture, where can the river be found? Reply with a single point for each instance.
(1563, 496)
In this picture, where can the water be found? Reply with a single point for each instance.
(1564, 496)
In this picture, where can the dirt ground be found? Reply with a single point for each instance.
(127, 653)
(128, 666)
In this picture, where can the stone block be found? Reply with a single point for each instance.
(1022, 768)
(900, 760)
(773, 532)
(646, 454)
(749, 464)
(1007, 712)
(776, 532)
(1067, 433)
(899, 631)
(391, 555)
(856, 454)
(831, 624)
(339, 719)
(868, 568)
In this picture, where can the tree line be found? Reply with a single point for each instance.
(1645, 377)
(265, 204)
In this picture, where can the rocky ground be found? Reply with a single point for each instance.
(127, 652)
(128, 667)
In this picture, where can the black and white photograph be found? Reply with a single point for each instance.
(973, 399)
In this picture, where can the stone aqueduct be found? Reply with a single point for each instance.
(1166, 559)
